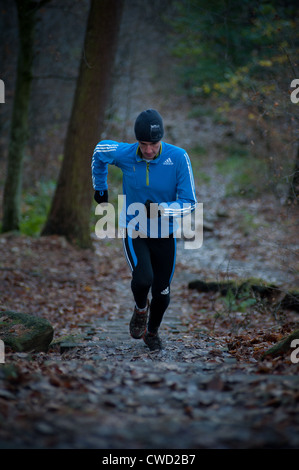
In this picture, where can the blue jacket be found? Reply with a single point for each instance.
(166, 180)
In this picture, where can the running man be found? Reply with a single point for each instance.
(158, 183)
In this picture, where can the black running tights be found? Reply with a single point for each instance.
(152, 262)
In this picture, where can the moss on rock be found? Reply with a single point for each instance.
(23, 332)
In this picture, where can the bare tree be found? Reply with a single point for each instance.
(293, 197)
(71, 206)
(19, 125)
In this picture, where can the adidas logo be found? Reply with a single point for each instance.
(168, 162)
(165, 291)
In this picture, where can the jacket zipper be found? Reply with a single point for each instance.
(147, 173)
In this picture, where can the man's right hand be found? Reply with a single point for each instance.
(101, 196)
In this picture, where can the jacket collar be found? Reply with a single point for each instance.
(139, 157)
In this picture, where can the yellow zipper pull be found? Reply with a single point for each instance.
(147, 173)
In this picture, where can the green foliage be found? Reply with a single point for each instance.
(35, 207)
(239, 302)
(247, 173)
(228, 47)
(198, 157)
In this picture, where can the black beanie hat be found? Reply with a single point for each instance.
(149, 126)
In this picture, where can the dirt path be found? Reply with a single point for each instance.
(109, 391)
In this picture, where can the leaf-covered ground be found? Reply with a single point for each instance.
(208, 388)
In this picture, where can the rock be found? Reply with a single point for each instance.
(211, 286)
(23, 332)
(286, 300)
(257, 286)
(67, 342)
(290, 301)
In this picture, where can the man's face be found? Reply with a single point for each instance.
(149, 149)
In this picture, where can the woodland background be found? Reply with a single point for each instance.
(233, 63)
(221, 75)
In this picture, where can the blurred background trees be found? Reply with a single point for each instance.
(70, 211)
(244, 56)
(26, 10)
(235, 62)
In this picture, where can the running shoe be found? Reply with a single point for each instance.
(138, 322)
(153, 341)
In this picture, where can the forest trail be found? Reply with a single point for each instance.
(97, 388)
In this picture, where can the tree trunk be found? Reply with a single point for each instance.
(19, 123)
(293, 197)
(71, 206)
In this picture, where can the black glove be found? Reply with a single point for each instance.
(101, 196)
(155, 212)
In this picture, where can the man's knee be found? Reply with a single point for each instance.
(142, 283)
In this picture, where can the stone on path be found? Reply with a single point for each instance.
(23, 332)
